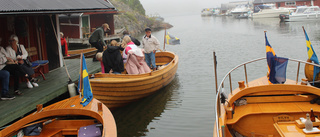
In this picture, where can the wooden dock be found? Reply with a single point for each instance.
(55, 85)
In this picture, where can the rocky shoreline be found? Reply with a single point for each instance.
(134, 21)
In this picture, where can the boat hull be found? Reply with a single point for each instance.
(117, 90)
(66, 118)
(269, 14)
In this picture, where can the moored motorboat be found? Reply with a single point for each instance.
(241, 11)
(258, 108)
(302, 13)
(117, 90)
(268, 11)
(64, 118)
(206, 12)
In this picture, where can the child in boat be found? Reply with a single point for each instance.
(99, 58)
(136, 63)
(128, 45)
(112, 59)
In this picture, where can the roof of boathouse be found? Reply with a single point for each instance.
(54, 6)
(273, 1)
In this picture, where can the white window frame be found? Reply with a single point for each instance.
(291, 3)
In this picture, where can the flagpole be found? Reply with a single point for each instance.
(81, 71)
(304, 31)
(164, 40)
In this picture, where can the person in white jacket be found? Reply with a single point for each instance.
(17, 52)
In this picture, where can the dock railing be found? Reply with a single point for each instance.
(220, 90)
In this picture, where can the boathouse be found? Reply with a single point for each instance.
(288, 3)
(78, 27)
(37, 24)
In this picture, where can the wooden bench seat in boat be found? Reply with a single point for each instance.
(272, 108)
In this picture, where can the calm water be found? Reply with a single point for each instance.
(185, 108)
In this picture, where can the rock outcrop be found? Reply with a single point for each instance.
(133, 19)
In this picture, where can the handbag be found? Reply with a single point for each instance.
(33, 130)
(27, 62)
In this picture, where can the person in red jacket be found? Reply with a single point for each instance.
(64, 45)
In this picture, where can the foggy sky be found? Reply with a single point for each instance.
(169, 7)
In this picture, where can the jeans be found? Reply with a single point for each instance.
(16, 71)
(63, 50)
(150, 59)
(116, 72)
(99, 46)
(4, 76)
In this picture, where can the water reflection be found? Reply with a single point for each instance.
(133, 120)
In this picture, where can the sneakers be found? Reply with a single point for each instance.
(7, 97)
(29, 85)
(35, 84)
(18, 92)
(35, 80)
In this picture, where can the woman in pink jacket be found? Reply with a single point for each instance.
(136, 63)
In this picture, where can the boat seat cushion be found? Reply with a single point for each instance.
(90, 131)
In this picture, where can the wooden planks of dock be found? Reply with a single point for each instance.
(55, 85)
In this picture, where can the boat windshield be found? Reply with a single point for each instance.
(301, 10)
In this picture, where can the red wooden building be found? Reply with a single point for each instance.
(288, 3)
(36, 23)
(81, 24)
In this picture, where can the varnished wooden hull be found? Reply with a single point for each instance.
(266, 109)
(67, 117)
(88, 53)
(121, 89)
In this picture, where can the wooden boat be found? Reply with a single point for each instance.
(65, 118)
(260, 109)
(88, 53)
(116, 90)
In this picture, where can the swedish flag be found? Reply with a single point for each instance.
(312, 55)
(172, 40)
(86, 88)
(277, 66)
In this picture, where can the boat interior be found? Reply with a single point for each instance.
(260, 109)
(162, 60)
(67, 118)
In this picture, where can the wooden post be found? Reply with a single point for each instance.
(80, 80)
(215, 70)
(39, 107)
(164, 40)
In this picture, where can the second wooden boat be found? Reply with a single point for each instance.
(258, 108)
(67, 117)
(117, 90)
(88, 53)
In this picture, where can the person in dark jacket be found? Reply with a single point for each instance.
(96, 38)
(134, 40)
(112, 59)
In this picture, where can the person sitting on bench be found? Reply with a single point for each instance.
(17, 52)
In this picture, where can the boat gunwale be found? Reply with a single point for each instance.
(220, 88)
(48, 112)
(124, 78)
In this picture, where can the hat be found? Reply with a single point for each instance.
(147, 29)
(106, 25)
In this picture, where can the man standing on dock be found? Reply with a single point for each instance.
(96, 39)
(150, 44)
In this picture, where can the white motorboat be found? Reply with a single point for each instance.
(241, 11)
(206, 12)
(302, 13)
(268, 11)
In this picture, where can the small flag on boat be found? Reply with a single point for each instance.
(172, 40)
(86, 87)
(277, 66)
(312, 55)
